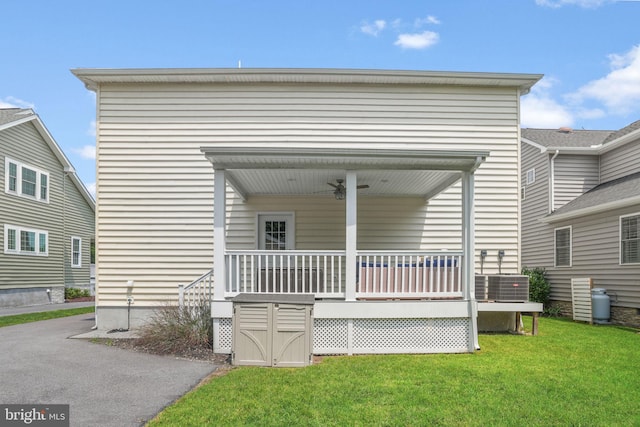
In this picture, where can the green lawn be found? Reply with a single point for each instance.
(569, 375)
(45, 315)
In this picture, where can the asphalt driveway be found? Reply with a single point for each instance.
(104, 386)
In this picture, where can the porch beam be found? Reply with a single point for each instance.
(239, 189)
(351, 235)
(219, 234)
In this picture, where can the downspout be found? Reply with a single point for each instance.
(64, 229)
(552, 180)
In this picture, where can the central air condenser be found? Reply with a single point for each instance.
(508, 288)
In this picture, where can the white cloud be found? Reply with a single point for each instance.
(581, 3)
(618, 91)
(429, 20)
(86, 152)
(92, 128)
(13, 102)
(540, 110)
(373, 29)
(417, 41)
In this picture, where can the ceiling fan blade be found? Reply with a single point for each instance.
(333, 185)
(362, 186)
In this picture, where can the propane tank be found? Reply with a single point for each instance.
(600, 304)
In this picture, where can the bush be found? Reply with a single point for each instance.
(539, 288)
(176, 330)
(72, 293)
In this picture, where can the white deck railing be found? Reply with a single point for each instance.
(318, 272)
(389, 274)
(196, 292)
(379, 274)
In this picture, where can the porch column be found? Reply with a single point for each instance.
(219, 234)
(352, 236)
(468, 250)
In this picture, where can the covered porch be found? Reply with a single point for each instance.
(371, 300)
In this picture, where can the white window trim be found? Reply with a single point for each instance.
(18, 250)
(288, 216)
(531, 176)
(18, 191)
(555, 240)
(620, 239)
(79, 264)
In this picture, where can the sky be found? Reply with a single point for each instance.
(588, 50)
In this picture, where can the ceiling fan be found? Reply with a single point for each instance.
(340, 191)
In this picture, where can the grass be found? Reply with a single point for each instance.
(571, 374)
(45, 315)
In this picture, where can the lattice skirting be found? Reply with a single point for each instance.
(371, 336)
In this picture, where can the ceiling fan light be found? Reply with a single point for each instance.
(339, 194)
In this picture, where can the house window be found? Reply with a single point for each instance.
(531, 176)
(25, 241)
(76, 252)
(275, 232)
(13, 177)
(26, 181)
(563, 247)
(630, 239)
(523, 193)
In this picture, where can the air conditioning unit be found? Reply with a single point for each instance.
(508, 288)
(482, 288)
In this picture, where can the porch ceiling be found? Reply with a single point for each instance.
(299, 171)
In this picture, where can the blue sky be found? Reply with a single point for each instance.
(588, 50)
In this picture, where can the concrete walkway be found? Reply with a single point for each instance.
(104, 386)
(10, 311)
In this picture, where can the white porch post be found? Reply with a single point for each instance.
(352, 236)
(219, 234)
(468, 250)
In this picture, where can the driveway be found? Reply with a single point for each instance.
(104, 386)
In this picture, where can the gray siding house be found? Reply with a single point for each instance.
(581, 212)
(46, 215)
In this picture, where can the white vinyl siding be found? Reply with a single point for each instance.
(155, 198)
(25, 241)
(563, 247)
(620, 162)
(26, 181)
(76, 252)
(574, 175)
(630, 239)
(537, 237)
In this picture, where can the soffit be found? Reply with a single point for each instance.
(420, 173)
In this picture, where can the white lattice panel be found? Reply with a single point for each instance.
(410, 335)
(224, 336)
(330, 336)
(367, 336)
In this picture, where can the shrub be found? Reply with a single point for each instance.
(72, 293)
(539, 288)
(175, 330)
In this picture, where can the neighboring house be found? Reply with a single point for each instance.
(581, 212)
(46, 213)
(367, 188)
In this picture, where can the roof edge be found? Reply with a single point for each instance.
(93, 77)
(618, 204)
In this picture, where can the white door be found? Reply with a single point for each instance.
(275, 232)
